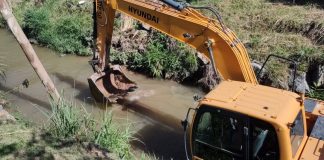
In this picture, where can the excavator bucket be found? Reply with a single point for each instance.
(110, 85)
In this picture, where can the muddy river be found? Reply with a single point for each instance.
(155, 108)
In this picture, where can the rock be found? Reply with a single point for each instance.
(5, 117)
(301, 85)
(315, 74)
(33, 41)
(257, 67)
(203, 58)
(210, 78)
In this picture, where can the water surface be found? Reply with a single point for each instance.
(154, 109)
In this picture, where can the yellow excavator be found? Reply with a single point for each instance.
(239, 119)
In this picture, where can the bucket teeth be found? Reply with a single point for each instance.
(110, 85)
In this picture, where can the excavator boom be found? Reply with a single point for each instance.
(237, 119)
(208, 36)
(189, 26)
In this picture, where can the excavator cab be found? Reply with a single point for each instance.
(241, 121)
(222, 134)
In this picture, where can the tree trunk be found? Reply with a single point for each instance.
(28, 50)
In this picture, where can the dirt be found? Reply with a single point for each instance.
(131, 40)
(312, 30)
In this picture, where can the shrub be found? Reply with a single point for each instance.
(65, 120)
(113, 137)
(59, 25)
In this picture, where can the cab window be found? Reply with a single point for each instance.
(263, 141)
(219, 136)
(297, 133)
(225, 135)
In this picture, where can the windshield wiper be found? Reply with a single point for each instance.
(221, 149)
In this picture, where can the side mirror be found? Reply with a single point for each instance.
(184, 122)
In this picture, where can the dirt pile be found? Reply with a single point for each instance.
(131, 40)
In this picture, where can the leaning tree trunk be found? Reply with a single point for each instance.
(28, 50)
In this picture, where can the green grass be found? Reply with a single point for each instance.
(114, 137)
(70, 133)
(67, 121)
(317, 93)
(58, 24)
(164, 58)
(256, 22)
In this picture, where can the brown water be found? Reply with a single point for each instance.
(155, 108)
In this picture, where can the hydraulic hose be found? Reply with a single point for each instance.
(215, 12)
(176, 5)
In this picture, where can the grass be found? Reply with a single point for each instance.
(317, 93)
(114, 138)
(58, 24)
(163, 58)
(264, 26)
(66, 121)
(274, 28)
(70, 122)
(71, 133)
(257, 24)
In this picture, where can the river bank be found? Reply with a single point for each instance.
(155, 109)
(66, 27)
(68, 133)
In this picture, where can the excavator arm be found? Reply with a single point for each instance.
(208, 36)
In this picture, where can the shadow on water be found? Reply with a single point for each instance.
(163, 138)
(83, 88)
(26, 97)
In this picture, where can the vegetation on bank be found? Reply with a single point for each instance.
(271, 27)
(71, 133)
(163, 58)
(70, 122)
(61, 25)
(264, 26)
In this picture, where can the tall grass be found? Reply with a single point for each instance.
(2, 68)
(114, 137)
(317, 93)
(67, 121)
(57, 24)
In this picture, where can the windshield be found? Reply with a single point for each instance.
(218, 133)
(223, 135)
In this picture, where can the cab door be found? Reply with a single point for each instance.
(219, 134)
